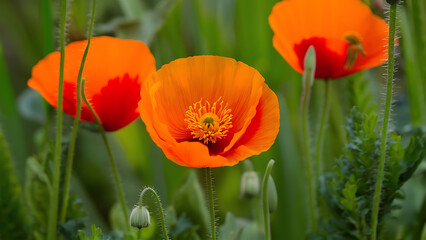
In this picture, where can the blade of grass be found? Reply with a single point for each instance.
(10, 120)
(413, 70)
(47, 26)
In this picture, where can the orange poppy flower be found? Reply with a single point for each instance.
(346, 35)
(114, 72)
(209, 111)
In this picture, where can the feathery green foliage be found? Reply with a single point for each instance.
(348, 192)
(96, 234)
(13, 220)
(37, 192)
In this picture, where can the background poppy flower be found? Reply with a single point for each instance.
(346, 35)
(209, 111)
(114, 71)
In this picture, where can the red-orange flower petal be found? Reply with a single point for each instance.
(114, 72)
(346, 35)
(209, 111)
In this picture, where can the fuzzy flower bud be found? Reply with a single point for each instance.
(249, 184)
(272, 195)
(139, 217)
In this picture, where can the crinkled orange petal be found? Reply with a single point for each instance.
(263, 127)
(294, 21)
(114, 71)
(168, 94)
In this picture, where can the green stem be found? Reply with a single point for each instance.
(209, 181)
(308, 164)
(70, 156)
(265, 202)
(320, 139)
(54, 198)
(381, 169)
(160, 209)
(111, 159)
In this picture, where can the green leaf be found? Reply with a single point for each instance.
(189, 200)
(96, 234)
(75, 218)
(251, 232)
(37, 194)
(13, 220)
(230, 230)
(348, 191)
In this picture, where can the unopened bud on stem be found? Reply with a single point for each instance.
(250, 185)
(140, 217)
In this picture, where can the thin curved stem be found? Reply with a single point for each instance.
(160, 209)
(265, 202)
(381, 168)
(54, 198)
(320, 139)
(111, 159)
(209, 181)
(70, 156)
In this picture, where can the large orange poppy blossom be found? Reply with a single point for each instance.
(114, 72)
(209, 111)
(346, 35)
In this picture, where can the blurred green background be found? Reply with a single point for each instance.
(180, 28)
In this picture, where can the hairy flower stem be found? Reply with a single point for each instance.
(320, 139)
(308, 78)
(71, 148)
(54, 196)
(111, 159)
(160, 209)
(265, 202)
(209, 181)
(381, 169)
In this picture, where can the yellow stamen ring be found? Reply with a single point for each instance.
(209, 122)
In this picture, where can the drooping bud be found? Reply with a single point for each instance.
(140, 217)
(250, 185)
(272, 195)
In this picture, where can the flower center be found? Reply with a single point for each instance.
(209, 122)
(355, 47)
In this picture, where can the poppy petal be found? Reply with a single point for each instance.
(168, 93)
(208, 78)
(296, 22)
(114, 71)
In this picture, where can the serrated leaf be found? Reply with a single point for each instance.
(37, 194)
(349, 191)
(96, 234)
